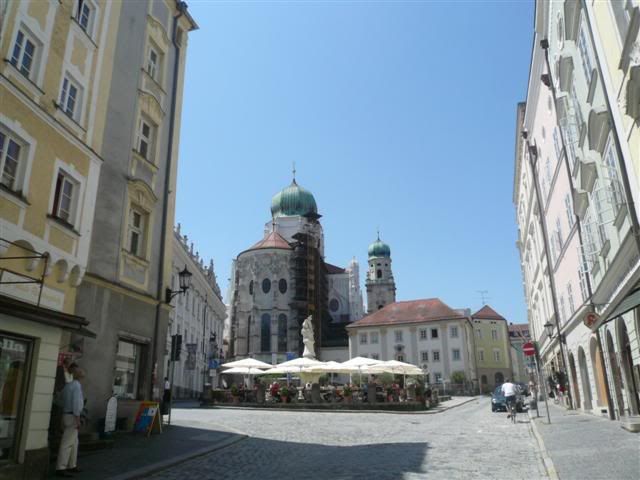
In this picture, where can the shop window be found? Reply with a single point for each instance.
(14, 357)
(126, 375)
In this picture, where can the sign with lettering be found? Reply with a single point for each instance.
(148, 418)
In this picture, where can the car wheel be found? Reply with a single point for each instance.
(493, 408)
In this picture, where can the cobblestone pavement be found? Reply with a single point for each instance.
(572, 439)
(464, 442)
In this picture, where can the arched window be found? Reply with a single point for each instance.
(251, 287)
(265, 333)
(380, 307)
(266, 285)
(282, 285)
(379, 273)
(282, 333)
(334, 305)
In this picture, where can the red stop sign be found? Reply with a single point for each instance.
(528, 349)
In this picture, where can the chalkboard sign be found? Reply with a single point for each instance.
(148, 418)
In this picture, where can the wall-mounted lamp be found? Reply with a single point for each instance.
(184, 279)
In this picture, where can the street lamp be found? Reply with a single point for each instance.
(184, 280)
(548, 327)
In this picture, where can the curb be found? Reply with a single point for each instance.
(546, 458)
(170, 462)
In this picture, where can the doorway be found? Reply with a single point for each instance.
(584, 377)
(596, 363)
(615, 373)
(574, 379)
(627, 367)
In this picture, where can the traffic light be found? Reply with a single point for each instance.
(176, 347)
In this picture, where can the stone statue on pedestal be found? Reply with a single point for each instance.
(307, 339)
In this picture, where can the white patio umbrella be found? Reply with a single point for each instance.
(247, 362)
(396, 366)
(301, 362)
(244, 371)
(360, 363)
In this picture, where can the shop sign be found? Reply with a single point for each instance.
(590, 319)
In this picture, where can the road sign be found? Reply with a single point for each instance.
(590, 319)
(528, 349)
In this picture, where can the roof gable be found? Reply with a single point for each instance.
(488, 313)
(272, 240)
(414, 311)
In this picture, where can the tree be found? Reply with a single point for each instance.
(458, 377)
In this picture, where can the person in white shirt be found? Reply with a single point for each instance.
(509, 390)
(72, 405)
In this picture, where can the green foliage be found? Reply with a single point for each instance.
(458, 377)
(347, 391)
(419, 389)
(386, 378)
(235, 391)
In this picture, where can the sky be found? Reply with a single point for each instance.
(398, 116)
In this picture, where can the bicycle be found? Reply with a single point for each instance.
(512, 409)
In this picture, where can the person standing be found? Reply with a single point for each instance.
(166, 396)
(72, 405)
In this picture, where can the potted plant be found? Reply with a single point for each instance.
(347, 392)
(285, 394)
(235, 394)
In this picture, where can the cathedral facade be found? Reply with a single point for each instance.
(284, 278)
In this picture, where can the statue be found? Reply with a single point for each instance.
(307, 339)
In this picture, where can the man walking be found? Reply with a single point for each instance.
(72, 405)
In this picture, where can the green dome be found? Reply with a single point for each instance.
(293, 200)
(379, 249)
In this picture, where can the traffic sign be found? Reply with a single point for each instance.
(528, 349)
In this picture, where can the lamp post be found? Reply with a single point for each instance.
(184, 280)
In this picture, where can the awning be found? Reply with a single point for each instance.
(630, 302)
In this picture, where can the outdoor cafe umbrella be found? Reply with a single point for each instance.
(246, 370)
(360, 363)
(247, 362)
(396, 366)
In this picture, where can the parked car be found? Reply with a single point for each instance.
(499, 402)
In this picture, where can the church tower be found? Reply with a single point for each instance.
(381, 288)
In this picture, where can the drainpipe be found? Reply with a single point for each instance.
(182, 8)
(545, 46)
(533, 158)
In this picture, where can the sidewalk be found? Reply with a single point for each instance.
(586, 447)
(135, 455)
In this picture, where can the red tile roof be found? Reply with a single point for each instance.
(332, 269)
(272, 240)
(414, 311)
(488, 313)
(518, 327)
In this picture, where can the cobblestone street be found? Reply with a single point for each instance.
(464, 442)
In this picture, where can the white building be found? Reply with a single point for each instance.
(198, 316)
(427, 333)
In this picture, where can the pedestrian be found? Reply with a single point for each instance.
(166, 396)
(72, 405)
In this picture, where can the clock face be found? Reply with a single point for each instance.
(334, 305)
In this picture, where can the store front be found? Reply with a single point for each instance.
(30, 339)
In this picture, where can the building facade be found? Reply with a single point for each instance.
(284, 278)
(580, 72)
(198, 315)
(55, 55)
(491, 347)
(123, 290)
(427, 333)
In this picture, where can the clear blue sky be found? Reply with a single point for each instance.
(398, 114)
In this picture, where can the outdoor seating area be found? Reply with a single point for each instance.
(309, 383)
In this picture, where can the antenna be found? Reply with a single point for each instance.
(484, 296)
(294, 172)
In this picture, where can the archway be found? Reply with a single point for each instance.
(596, 364)
(627, 367)
(499, 378)
(615, 373)
(584, 377)
(574, 380)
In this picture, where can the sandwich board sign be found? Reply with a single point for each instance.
(148, 418)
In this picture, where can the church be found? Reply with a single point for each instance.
(283, 278)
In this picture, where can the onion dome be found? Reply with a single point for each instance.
(379, 249)
(294, 200)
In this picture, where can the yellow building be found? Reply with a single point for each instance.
(493, 357)
(58, 58)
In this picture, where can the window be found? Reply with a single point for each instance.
(434, 333)
(265, 333)
(585, 52)
(559, 238)
(14, 367)
(378, 273)
(282, 333)
(24, 52)
(70, 98)
(282, 286)
(423, 334)
(251, 287)
(373, 336)
(454, 332)
(556, 144)
(398, 334)
(496, 355)
(479, 333)
(363, 339)
(146, 135)
(438, 377)
(455, 354)
(622, 11)
(266, 285)
(137, 221)
(494, 334)
(436, 355)
(424, 356)
(154, 61)
(375, 356)
(9, 161)
(611, 161)
(569, 210)
(481, 355)
(84, 16)
(334, 305)
(400, 358)
(572, 305)
(64, 198)
(127, 369)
